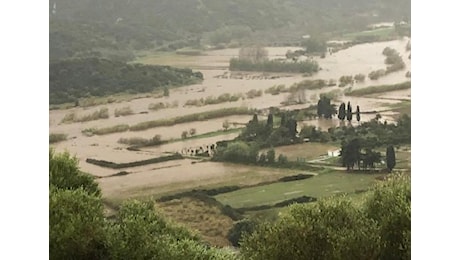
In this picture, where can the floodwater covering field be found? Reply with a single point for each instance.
(218, 80)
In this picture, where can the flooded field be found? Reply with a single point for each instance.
(218, 80)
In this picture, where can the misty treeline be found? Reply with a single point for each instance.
(114, 28)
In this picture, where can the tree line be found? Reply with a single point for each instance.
(70, 80)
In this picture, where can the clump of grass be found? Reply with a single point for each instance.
(379, 89)
(55, 138)
(124, 111)
(102, 113)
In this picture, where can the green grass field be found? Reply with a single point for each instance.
(320, 186)
(308, 151)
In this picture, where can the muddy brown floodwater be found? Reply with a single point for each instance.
(362, 58)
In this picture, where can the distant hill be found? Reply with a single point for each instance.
(111, 28)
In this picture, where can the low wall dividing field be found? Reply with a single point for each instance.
(113, 165)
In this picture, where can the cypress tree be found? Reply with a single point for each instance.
(358, 115)
(270, 121)
(391, 158)
(342, 113)
(349, 112)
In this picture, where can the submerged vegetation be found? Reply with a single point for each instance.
(378, 89)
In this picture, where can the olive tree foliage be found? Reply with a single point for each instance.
(65, 174)
(390, 206)
(76, 225)
(335, 228)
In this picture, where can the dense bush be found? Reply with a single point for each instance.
(239, 228)
(70, 80)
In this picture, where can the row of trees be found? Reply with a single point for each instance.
(348, 113)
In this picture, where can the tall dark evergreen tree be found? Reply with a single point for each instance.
(283, 120)
(255, 119)
(320, 110)
(349, 112)
(270, 121)
(391, 158)
(358, 115)
(342, 112)
(351, 153)
(292, 126)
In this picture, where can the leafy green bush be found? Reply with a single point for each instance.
(65, 174)
(335, 228)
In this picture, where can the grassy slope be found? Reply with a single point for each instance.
(308, 151)
(207, 220)
(319, 186)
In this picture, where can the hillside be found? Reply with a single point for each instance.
(105, 27)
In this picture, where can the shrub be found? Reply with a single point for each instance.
(124, 111)
(55, 138)
(102, 113)
(244, 226)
